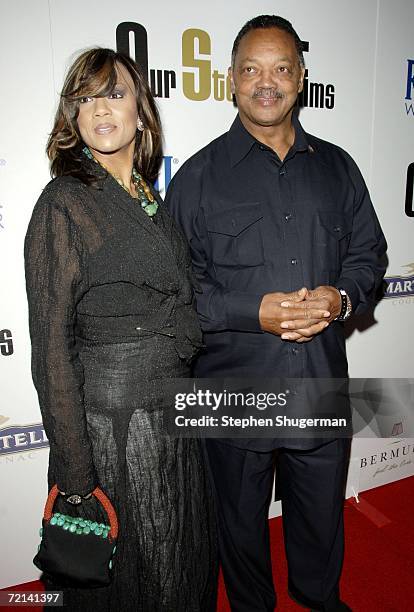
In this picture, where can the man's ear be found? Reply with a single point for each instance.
(301, 79)
(230, 73)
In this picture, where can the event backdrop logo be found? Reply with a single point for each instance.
(165, 173)
(396, 455)
(21, 438)
(200, 79)
(409, 191)
(409, 109)
(6, 343)
(400, 286)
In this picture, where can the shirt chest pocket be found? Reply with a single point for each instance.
(235, 235)
(332, 235)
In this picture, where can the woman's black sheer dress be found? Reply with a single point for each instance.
(97, 267)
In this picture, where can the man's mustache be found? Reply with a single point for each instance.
(268, 92)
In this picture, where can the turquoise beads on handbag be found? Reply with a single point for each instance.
(79, 526)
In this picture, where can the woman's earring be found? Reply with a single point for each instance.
(140, 125)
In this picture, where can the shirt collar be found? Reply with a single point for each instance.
(240, 141)
(301, 140)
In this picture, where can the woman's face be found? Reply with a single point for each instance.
(108, 124)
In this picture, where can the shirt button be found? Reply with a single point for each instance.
(295, 351)
(282, 172)
(288, 216)
(293, 262)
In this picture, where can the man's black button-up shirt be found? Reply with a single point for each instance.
(255, 225)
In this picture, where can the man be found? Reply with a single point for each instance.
(285, 244)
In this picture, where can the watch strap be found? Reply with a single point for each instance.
(346, 306)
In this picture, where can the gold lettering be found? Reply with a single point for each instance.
(229, 95)
(218, 85)
(200, 68)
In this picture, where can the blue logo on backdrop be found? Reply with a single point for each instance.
(401, 286)
(409, 108)
(20, 438)
(164, 175)
(409, 191)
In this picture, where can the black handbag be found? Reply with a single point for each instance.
(75, 551)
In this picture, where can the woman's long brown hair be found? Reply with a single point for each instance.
(93, 73)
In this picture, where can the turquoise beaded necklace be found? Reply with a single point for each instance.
(147, 200)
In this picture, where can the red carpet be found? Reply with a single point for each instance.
(378, 573)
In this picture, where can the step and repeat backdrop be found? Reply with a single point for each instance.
(359, 94)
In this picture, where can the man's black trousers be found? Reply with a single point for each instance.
(312, 492)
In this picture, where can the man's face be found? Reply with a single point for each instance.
(266, 77)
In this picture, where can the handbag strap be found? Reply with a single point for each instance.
(100, 496)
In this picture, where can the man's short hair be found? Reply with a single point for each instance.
(269, 21)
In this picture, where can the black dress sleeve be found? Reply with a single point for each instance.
(55, 282)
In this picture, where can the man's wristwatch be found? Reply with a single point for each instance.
(346, 306)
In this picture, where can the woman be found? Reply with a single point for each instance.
(111, 314)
